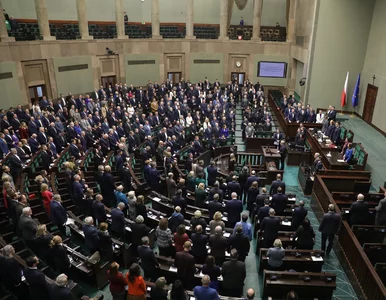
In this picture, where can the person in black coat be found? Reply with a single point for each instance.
(149, 262)
(117, 225)
(329, 226)
(90, 235)
(12, 271)
(199, 240)
(234, 208)
(270, 227)
(15, 164)
(215, 206)
(158, 292)
(154, 177)
(58, 214)
(105, 242)
(59, 254)
(283, 154)
(59, 290)
(178, 200)
(253, 192)
(38, 286)
(212, 173)
(98, 209)
(216, 190)
(197, 220)
(279, 201)
(240, 242)
(108, 187)
(298, 215)
(234, 273)
(275, 184)
(46, 158)
(234, 187)
(139, 230)
(243, 178)
(42, 243)
(304, 236)
(359, 211)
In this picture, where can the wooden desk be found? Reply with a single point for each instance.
(295, 158)
(316, 287)
(305, 181)
(255, 144)
(307, 261)
(270, 153)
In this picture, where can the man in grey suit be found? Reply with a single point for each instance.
(28, 226)
(249, 131)
(380, 217)
(329, 227)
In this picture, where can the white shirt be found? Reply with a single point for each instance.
(319, 118)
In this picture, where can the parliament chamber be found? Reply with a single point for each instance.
(193, 149)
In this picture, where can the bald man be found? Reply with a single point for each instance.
(359, 211)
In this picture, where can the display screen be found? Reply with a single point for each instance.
(272, 69)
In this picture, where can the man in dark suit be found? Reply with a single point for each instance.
(77, 192)
(91, 234)
(212, 173)
(359, 211)
(98, 209)
(331, 113)
(270, 226)
(149, 262)
(214, 206)
(279, 201)
(178, 200)
(42, 137)
(58, 214)
(234, 187)
(335, 138)
(60, 291)
(216, 190)
(16, 164)
(234, 273)
(199, 240)
(38, 287)
(329, 226)
(251, 179)
(33, 143)
(117, 226)
(108, 187)
(275, 184)
(240, 242)
(186, 269)
(298, 215)
(234, 208)
(154, 177)
(46, 158)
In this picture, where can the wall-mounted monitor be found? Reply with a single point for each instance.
(272, 69)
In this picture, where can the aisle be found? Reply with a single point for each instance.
(238, 132)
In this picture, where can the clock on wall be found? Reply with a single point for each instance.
(238, 64)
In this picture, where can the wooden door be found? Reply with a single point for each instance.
(371, 97)
(108, 80)
(175, 77)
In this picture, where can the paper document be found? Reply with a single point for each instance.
(340, 160)
(227, 234)
(173, 269)
(70, 221)
(157, 199)
(288, 223)
(314, 258)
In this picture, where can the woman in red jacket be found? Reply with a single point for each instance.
(137, 286)
(47, 197)
(118, 282)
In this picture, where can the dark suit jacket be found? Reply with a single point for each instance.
(41, 139)
(185, 265)
(234, 208)
(98, 210)
(61, 260)
(251, 179)
(241, 243)
(46, 160)
(279, 203)
(234, 273)
(148, 260)
(105, 246)
(61, 293)
(218, 245)
(234, 187)
(213, 207)
(359, 213)
(298, 215)
(275, 184)
(270, 226)
(138, 232)
(212, 175)
(58, 214)
(39, 289)
(181, 202)
(77, 190)
(199, 241)
(117, 220)
(91, 236)
(330, 223)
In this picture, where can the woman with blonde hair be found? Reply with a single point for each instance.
(200, 195)
(47, 197)
(275, 255)
(217, 221)
(190, 181)
(42, 242)
(59, 254)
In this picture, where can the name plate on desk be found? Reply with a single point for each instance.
(157, 199)
(173, 269)
(227, 234)
(128, 228)
(288, 223)
(314, 258)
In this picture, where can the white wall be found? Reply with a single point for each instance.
(375, 64)
(205, 11)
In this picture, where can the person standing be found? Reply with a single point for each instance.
(137, 285)
(186, 269)
(117, 282)
(329, 227)
(38, 286)
(205, 292)
(283, 154)
(380, 217)
(234, 273)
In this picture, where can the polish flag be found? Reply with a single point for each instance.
(344, 92)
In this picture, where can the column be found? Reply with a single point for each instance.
(257, 10)
(189, 20)
(119, 19)
(82, 20)
(3, 29)
(155, 19)
(291, 22)
(223, 20)
(41, 13)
